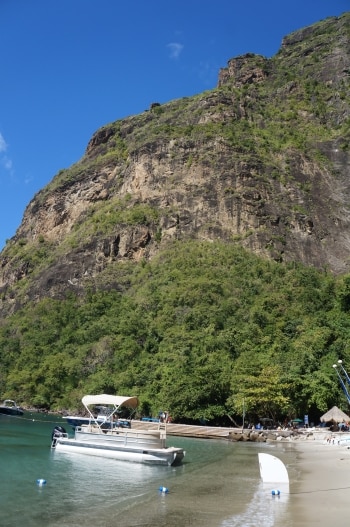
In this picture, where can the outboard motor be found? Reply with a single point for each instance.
(57, 432)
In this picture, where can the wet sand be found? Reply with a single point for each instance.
(320, 484)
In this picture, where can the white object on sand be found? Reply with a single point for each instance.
(272, 469)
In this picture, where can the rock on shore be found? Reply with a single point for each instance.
(262, 436)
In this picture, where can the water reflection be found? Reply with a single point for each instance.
(264, 509)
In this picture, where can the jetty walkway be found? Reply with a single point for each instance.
(235, 434)
(174, 429)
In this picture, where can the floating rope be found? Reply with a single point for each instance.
(32, 419)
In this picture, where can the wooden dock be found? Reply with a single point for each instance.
(217, 432)
(174, 429)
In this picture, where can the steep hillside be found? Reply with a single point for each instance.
(262, 161)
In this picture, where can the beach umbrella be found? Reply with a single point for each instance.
(334, 414)
(297, 420)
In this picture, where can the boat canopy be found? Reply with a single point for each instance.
(9, 402)
(105, 399)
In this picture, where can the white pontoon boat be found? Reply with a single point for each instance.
(107, 440)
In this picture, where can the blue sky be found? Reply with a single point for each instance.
(71, 66)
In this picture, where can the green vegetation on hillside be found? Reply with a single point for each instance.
(202, 330)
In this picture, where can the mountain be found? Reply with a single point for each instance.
(197, 255)
(262, 161)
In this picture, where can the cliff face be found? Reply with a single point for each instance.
(262, 160)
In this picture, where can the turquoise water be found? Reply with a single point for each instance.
(217, 485)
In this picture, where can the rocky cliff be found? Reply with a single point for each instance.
(262, 160)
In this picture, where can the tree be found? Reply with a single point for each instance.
(258, 388)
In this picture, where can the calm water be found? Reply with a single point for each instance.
(218, 485)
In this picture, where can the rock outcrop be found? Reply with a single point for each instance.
(262, 160)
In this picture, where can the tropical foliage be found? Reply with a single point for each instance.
(203, 330)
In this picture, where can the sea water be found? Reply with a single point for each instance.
(218, 484)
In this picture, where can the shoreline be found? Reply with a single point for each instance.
(319, 475)
(319, 483)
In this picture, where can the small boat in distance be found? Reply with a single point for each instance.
(9, 407)
(109, 440)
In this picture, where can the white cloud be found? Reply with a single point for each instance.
(5, 161)
(3, 145)
(28, 180)
(175, 49)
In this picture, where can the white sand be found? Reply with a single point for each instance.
(320, 484)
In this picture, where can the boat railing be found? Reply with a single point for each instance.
(152, 438)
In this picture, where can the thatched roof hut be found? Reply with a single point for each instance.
(336, 415)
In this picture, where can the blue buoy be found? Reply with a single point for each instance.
(41, 482)
(164, 490)
(275, 492)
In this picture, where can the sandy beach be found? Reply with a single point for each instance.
(319, 484)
